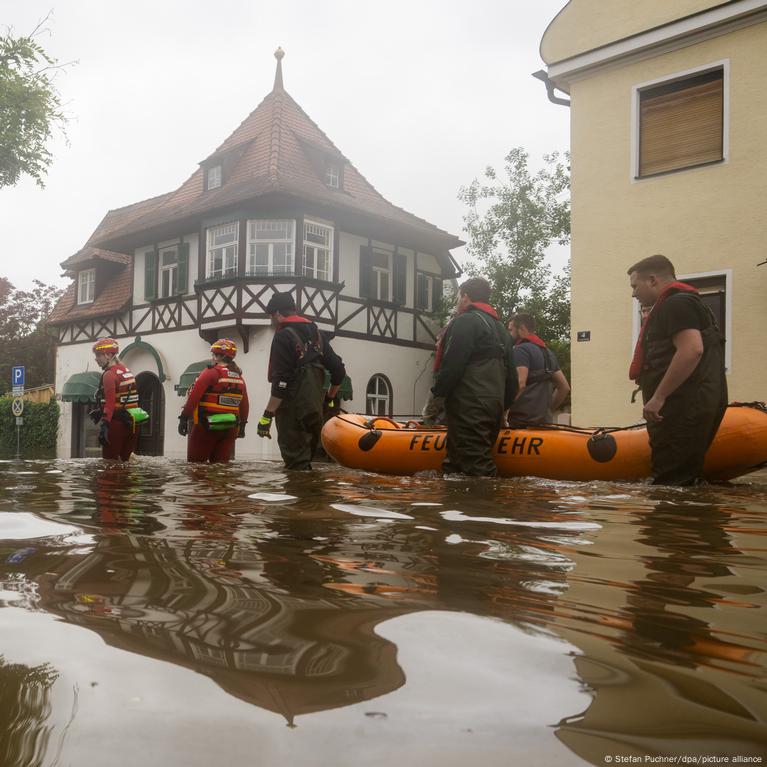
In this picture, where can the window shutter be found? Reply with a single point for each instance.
(681, 124)
(183, 268)
(400, 278)
(366, 272)
(437, 293)
(150, 275)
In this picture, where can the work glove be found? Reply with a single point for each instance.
(96, 415)
(183, 425)
(265, 424)
(330, 407)
(241, 433)
(103, 434)
(432, 410)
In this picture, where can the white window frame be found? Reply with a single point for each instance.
(313, 271)
(211, 249)
(333, 176)
(724, 65)
(253, 227)
(86, 286)
(727, 330)
(214, 177)
(381, 275)
(378, 397)
(170, 269)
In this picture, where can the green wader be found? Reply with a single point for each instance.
(299, 417)
(474, 411)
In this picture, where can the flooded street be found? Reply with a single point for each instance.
(161, 613)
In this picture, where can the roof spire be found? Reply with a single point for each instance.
(278, 54)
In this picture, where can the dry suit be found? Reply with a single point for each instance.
(216, 391)
(117, 393)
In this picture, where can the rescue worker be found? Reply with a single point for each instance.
(217, 403)
(477, 377)
(678, 364)
(117, 394)
(298, 360)
(542, 384)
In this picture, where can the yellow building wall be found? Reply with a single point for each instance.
(706, 219)
(583, 25)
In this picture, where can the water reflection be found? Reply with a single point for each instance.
(281, 587)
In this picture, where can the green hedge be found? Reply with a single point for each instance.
(38, 434)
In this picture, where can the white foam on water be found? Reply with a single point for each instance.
(453, 539)
(10, 596)
(425, 503)
(273, 497)
(368, 511)
(54, 471)
(21, 525)
(458, 516)
(425, 527)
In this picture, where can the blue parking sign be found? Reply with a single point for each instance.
(17, 375)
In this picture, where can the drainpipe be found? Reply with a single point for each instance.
(550, 87)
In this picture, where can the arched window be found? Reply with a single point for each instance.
(379, 396)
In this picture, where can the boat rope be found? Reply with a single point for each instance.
(756, 405)
(595, 432)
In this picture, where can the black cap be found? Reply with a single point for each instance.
(281, 302)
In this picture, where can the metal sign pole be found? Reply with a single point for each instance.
(18, 440)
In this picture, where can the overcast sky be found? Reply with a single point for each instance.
(420, 96)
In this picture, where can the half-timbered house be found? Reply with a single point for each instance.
(277, 207)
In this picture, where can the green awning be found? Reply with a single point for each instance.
(81, 387)
(345, 390)
(188, 376)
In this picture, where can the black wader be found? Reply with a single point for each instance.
(299, 417)
(692, 414)
(474, 412)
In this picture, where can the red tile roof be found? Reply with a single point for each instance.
(114, 297)
(274, 146)
(89, 254)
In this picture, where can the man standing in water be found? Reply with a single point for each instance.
(679, 366)
(477, 377)
(117, 395)
(298, 360)
(542, 384)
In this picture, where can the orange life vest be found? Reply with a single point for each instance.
(224, 396)
(126, 393)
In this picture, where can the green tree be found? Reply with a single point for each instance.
(30, 108)
(24, 339)
(511, 223)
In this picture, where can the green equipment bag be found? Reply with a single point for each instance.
(220, 421)
(139, 415)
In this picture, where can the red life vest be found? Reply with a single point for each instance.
(222, 396)
(126, 393)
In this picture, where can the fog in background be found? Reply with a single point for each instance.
(419, 96)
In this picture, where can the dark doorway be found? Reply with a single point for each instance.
(151, 398)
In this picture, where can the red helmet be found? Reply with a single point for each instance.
(225, 347)
(105, 346)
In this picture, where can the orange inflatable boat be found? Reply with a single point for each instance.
(374, 443)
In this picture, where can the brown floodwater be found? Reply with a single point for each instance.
(166, 614)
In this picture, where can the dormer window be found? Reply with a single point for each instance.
(86, 286)
(333, 176)
(214, 177)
